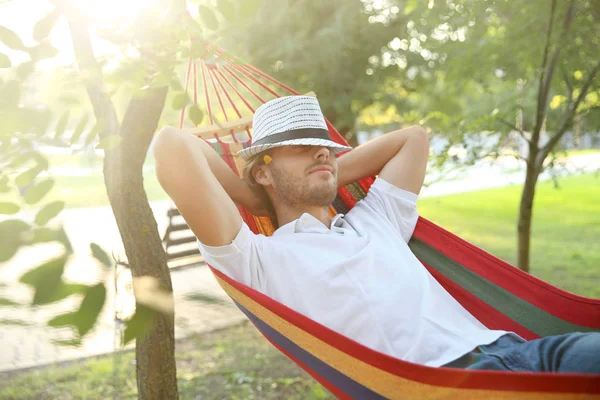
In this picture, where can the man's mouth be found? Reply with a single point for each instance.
(322, 168)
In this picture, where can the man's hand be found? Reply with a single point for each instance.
(399, 157)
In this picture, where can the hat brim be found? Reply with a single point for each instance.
(251, 151)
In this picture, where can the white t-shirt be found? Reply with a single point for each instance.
(358, 278)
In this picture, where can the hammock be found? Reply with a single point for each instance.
(496, 293)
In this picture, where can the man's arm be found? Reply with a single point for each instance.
(399, 157)
(201, 184)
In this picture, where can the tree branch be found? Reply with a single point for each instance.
(569, 86)
(548, 73)
(514, 127)
(91, 71)
(568, 120)
(542, 90)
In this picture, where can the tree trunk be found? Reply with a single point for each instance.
(525, 215)
(155, 353)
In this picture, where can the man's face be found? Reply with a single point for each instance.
(303, 176)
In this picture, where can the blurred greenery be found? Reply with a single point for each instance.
(566, 228)
(233, 363)
(89, 190)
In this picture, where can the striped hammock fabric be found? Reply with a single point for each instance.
(498, 294)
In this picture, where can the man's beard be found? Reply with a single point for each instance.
(298, 193)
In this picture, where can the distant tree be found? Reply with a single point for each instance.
(525, 67)
(320, 46)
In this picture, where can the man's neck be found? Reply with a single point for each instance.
(287, 214)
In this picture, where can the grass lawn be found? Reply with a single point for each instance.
(566, 228)
(233, 363)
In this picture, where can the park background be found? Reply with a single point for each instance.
(507, 90)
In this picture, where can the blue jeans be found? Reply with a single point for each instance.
(573, 352)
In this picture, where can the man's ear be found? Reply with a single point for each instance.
(261, 175)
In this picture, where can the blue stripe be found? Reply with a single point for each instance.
(339, 380)
(339, 206)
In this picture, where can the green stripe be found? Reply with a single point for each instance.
(526, 314)
(356, 191)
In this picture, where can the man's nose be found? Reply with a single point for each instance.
(322, 153)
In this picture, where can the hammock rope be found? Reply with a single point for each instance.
(496, 293)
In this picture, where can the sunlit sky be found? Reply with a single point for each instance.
(21, 15)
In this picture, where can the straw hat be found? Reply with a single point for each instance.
(289, 121)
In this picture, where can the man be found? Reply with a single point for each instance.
(355, 273)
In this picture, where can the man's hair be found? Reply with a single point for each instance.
(256, 187)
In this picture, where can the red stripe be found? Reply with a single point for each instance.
(235, 90)
(210, 114)
(486, 314)
(567, 306)
(237, 78)
(446, 377)
(346, 197)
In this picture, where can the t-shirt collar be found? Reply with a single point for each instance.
(308, 224)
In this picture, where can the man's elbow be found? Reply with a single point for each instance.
(165, 143)
(419, 135)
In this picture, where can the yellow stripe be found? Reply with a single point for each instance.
(382, 382)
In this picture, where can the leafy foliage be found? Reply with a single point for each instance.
(24, 175)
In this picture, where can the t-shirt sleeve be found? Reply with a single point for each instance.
(237, 260)
(396, 205)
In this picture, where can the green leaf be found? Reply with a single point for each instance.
(93, 133)
(11, 39)
(42, 51)
(44, 26)
(64, 290)
(196, 115)
(25, 178)
(48, 212)
(249, 8)
(208, 18)
(24, 70)
(44, 235)
(35, 193)
(109, 142)
(140, 324)
(179, 101)
(175, 85)
(87, 315)
(100, 254)
(22, 159)
(46, 280)
(10, 232)
(9, 208)
(14, 322)
(63, 320)
(8, 302)
(90, 309)
(227, 9)
(79, 129)
(192, 25)
(4, 184)
(61, 125)
(411, 5)
(4, 61)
